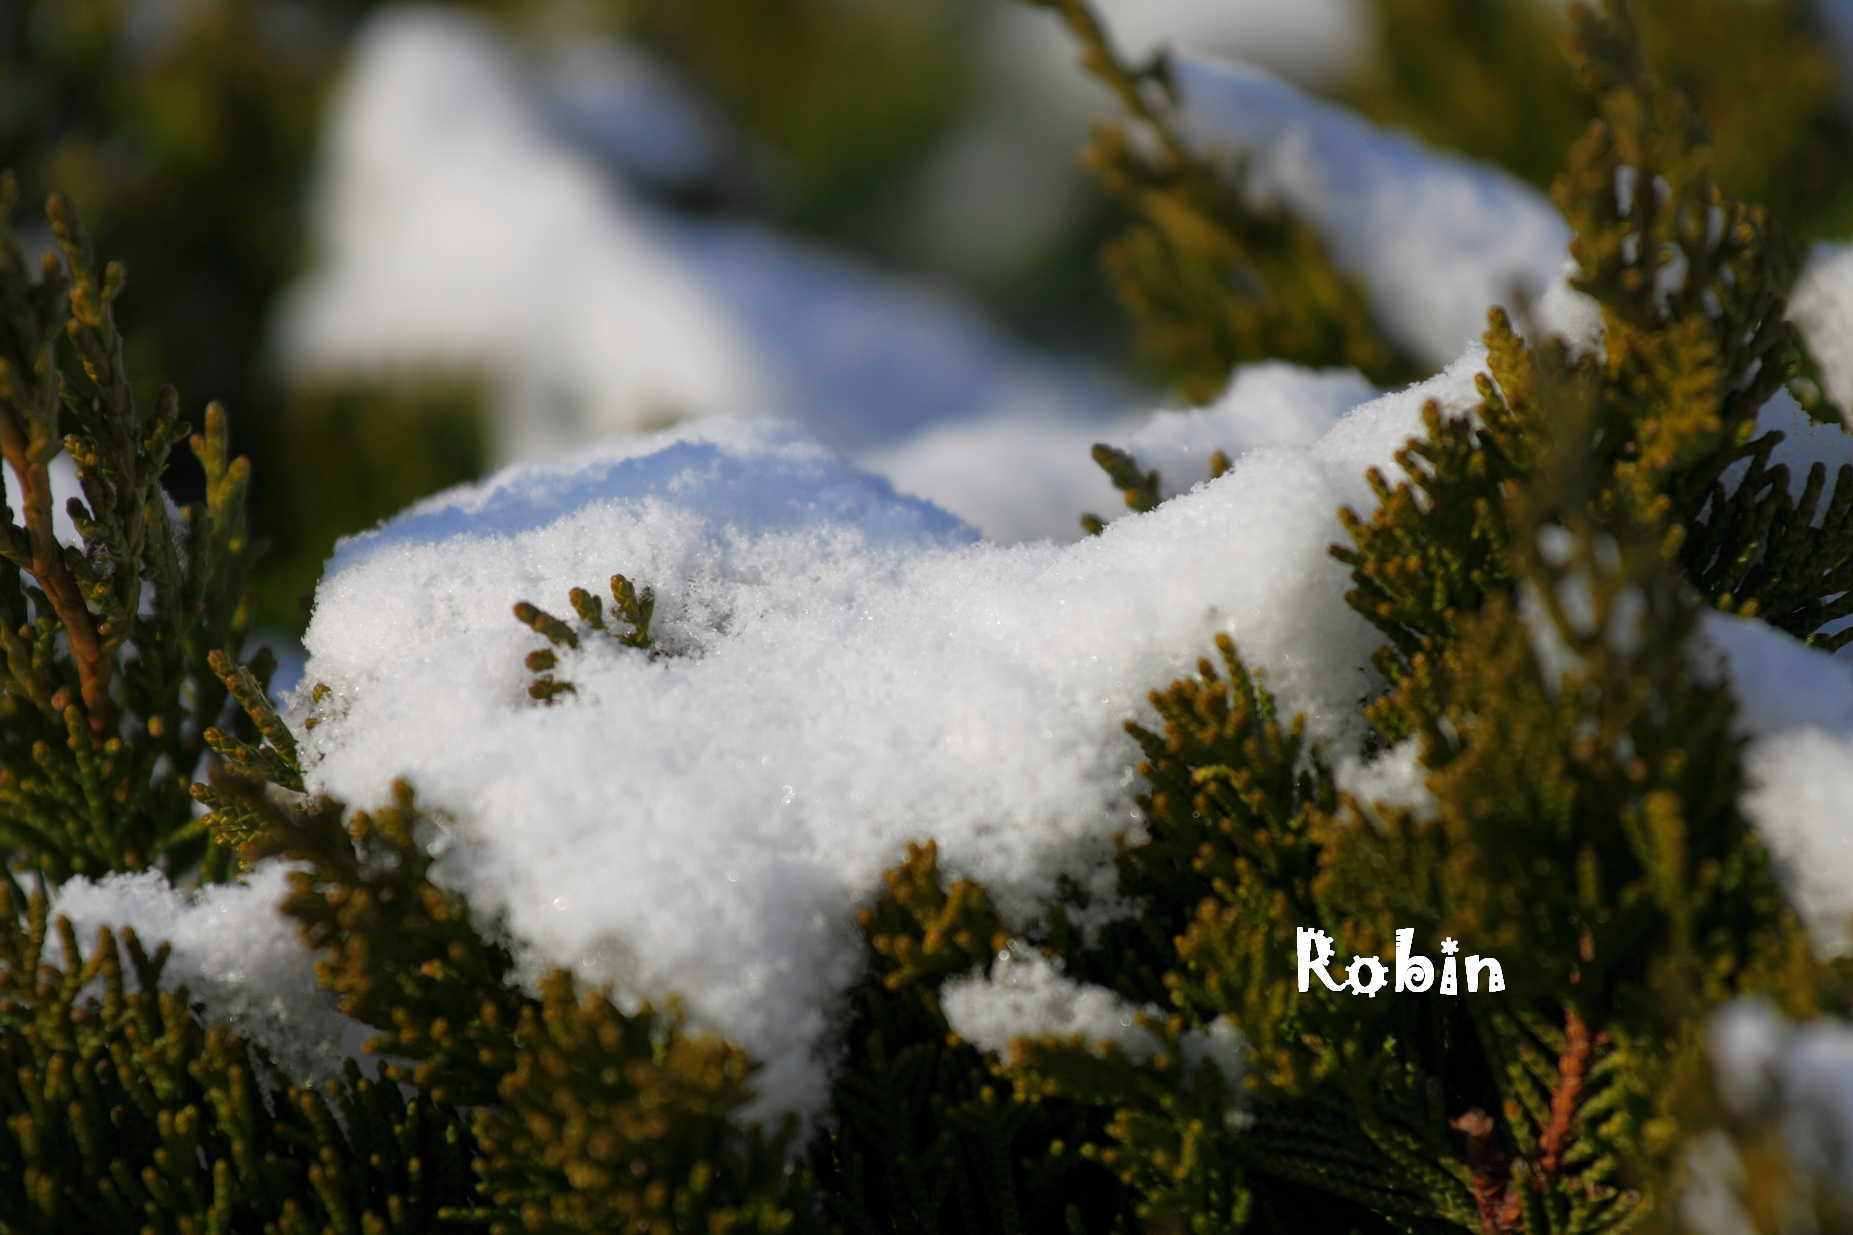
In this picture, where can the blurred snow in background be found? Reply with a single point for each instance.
(485, 213)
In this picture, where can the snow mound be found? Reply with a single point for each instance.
(235, 954)
(1029, 477)
(1015, 478)
(1435, 238)
(853, 674)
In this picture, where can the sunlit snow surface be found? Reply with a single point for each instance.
(852, 672)
(239, 959)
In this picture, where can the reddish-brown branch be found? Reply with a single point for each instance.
(1572, 1069)
(51, 574)
(1493, 1195)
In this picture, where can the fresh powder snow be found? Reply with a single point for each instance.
(845, 671)
(239, 959)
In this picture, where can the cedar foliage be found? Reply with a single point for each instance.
(1491, 81)
(1584, 820)
(126, 1115)
(108, 693)
(585, 1117)
(1536, 576)
(927, 1138)
(1210, 279)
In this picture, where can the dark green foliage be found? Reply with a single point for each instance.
(108, 687)
(1584, 824)
(125, 1115)
(845, 95)
(928, 1137)
(344, 456)
(1210, 280)
(1491, 80)
(1139, 485)
(586, 1118)
(1585, 830)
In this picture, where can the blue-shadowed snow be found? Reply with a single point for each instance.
(754, 477)
(1435, 238)
(855, 674)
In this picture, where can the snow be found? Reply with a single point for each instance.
(1395, 779)
(1014, 478)
(1821, 305)
(1307, 40)
(613, 100)
(1031, 477)
(1026, 996)
(1796, 706)
(1268, 404)
(235, 953)
(853, 671)
(1434, 238)
(64, 487)
(467, 218)
(1801, 1072)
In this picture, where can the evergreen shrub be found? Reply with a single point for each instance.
(1536, 572)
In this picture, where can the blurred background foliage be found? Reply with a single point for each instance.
(186, 131)
(1489, 78)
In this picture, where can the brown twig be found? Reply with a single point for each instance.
(52, 575)
(1572, 1068)
(1106, 64)
(1493, 1195)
